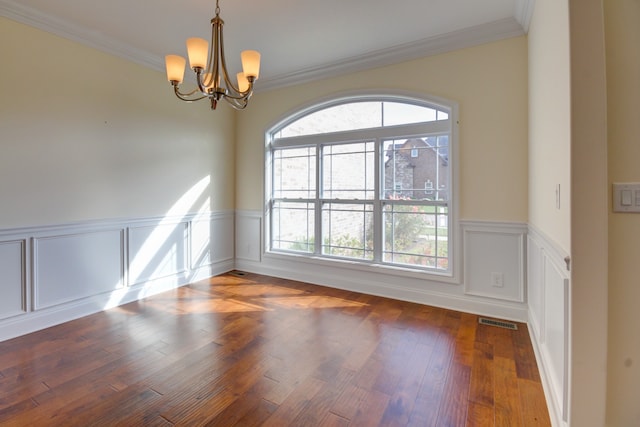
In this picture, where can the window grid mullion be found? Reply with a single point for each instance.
(378, 225)
(317, 250)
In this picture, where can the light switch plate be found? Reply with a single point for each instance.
(626, 197)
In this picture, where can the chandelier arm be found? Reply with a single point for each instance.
(236, 102)
(188, 96)
(210, 82)
(202, 88)
(223, 61)
(246, 94)
(242, 95)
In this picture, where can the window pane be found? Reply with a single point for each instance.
(347, 230)
(356, 115)
(294, 173)
(416, 168)
(361, 115)
(348, 171)
(416, 235)
(293, 226)
(397, 113)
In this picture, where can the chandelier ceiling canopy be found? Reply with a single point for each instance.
(212, 78)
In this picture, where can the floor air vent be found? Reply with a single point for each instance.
(498, 323)
(238, 273)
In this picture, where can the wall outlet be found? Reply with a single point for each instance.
(497, 280)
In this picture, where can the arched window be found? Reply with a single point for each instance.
(363, 178)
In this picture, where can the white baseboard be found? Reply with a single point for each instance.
(386, 285)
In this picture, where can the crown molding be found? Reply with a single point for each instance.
(468, 37)
(523, 12)
(34, 18)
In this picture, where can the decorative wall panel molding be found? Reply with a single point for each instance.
(494, 260)
(157, 250)
(56, 273)
(13, 281)
(549, 297)
(222, 242)
(248, 236)
(69, 267)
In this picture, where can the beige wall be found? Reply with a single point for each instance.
(85, 135)
(549, 120)
(622, 32)
(489, 83)
(567, 146)
(588, 290)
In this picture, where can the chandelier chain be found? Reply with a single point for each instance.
(217, 8)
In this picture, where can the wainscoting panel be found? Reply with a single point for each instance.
(555, 332)
(55, 273)
(535, 292)
(548, 297)
(76, 266)
(222, 242)
(202, 240)
(13, 284)
(494, 260)
(248, 236)
(157, 251)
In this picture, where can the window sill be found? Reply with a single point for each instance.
(364, 266)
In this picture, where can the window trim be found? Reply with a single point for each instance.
(455, 254)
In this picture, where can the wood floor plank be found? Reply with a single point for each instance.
(114, 409)
(58, 405)
(254, 350)
(480, 415)
(532, 401)
(465, 339)
(349, 401)
(371, 409)
(332, 420)
(454, 403)
(526, 366)
(79, 391)
(289, 410)
(251, 409)
(317, 409)
(427, 404)
(507, 394)
(482, 383)
(403, 400)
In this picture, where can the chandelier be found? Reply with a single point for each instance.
(210, 70)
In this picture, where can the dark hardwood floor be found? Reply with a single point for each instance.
(255, 350)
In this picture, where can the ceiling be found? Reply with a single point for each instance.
(300, 40)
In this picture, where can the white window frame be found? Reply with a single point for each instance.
(452, 275)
